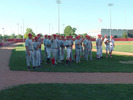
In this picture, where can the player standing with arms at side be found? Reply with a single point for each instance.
(62, 49)
(98, 45)
(85, 48)
(58, 48)
(101, 48)
(39, 40)
(48, 49)
(29, 52)
(45, 52)
(68, 49)
(54, 47)
(77, 48)
(112, 45)
(107, 46)
(71, 43)
(36, 46)
(89, 46)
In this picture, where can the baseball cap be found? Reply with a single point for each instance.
(39, 35)
(111, 36)
(54, 35)
(88, 36)
(29, 34)
(70, 36)
(105, 35)
(36, 37)
(67, 36)
(45, 35)
(62, 36)
(58, 35)
(49, 36)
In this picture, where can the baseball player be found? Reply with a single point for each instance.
(58, 48)
(48, 49)
(71, 43)
(77, 48)
(54, 47)
(29, 51)
(45, 52)
(36, 46)
(112, 44)
(68, 49)
(89, 47)
(98, 45)
(101, 48)
(81, 47)
(107, 46)
(85, 48)
(62, 49)
(39, 40)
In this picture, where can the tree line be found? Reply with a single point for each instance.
(67, 32)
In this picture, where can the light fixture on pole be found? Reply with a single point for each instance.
(58, 2)
(110, 5)
(18, 27)
(3, 31)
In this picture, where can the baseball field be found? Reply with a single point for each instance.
(78, 88)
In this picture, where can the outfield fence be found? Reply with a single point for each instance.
(93, 39)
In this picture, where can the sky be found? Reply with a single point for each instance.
(42, 15)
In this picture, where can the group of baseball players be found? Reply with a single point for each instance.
(56, 45)
(109, 46)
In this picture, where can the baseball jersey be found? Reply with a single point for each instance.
(112, 42)
(98, 41)
(76, 42)
(68, 43)
(54, 44)
(62, 43)
(39, 40)
(84, 42)
(71, 42)
(44, 41)
(89, 44)
(29, 44)
(58, 42)
(48, 42)
(35, 45)
(107, 43)
(101, 41)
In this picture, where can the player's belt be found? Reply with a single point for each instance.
(30, 49)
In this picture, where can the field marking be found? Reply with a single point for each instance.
(117, 52)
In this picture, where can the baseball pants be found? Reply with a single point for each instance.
(37, 58)
(77, 54)
(62, 54)
(30, 58)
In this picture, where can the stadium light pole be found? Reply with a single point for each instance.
(110, 5)
(58, 2)
(3, 32)
(49, 28)
(23, 30)
(63, 28)
(18, 27)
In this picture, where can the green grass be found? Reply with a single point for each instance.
(18, 62)
(69, 92)
(120, 48)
